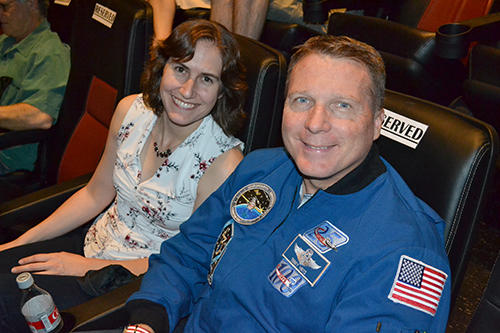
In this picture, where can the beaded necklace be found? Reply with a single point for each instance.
(163, 154)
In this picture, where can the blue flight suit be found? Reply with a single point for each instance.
(272, 276)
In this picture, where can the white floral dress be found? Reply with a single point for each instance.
(145, 213)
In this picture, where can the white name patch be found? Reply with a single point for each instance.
(104, 15)
(402, 129)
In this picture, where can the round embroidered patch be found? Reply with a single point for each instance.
(252, 203)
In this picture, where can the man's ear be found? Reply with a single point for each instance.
(33, 4)
(377, 122)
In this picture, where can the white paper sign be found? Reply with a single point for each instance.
(104, 15)
(402, 129)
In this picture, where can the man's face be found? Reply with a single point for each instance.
(16, 18)
(328, 126)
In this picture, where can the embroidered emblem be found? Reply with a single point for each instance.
(286, 279)
(306, 260)
(305, 257)
(252, 203)
(220, 248)
(326, 237)
(418, 285)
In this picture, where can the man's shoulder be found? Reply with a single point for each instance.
(45, 42)
(266, 155)
(264, 161)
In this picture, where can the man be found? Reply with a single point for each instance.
(322, 237)
(35, 66)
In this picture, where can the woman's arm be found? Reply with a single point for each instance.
(87, 202)
(70, 264)
(217, 173)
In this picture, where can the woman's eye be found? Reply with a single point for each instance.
(180, 69)
(207, 80)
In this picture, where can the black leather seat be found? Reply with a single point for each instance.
(450, 168)
(112, 47)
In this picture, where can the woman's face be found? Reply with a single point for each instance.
(189, 90)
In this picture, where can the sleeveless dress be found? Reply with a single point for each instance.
(147, 212)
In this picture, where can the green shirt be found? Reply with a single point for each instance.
(39, 66)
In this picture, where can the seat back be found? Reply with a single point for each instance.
(61, 16)
(89, 137)
(110, 41)
(265, 76)
(448, 160)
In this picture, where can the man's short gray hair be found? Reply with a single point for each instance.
(43, 5)
(348, 48)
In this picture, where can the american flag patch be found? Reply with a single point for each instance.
(418, 285)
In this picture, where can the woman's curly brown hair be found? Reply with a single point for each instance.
(180, 46)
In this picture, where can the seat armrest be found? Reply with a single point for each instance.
(36, 206)
(453, 39)
(15, 138)
(103, 312)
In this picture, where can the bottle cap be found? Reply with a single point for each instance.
(24, 280)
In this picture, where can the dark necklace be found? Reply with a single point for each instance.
(162, 154)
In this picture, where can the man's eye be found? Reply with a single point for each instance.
(300, 104)
(344, 105)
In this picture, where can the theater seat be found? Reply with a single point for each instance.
(82, 152)
(110, 41)
(448, 159)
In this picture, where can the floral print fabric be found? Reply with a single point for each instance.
(147, 212)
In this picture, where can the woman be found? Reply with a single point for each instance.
(168, 149)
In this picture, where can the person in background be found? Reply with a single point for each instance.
(168, 149)
(242, 17)
(321, 236)
(34, 70)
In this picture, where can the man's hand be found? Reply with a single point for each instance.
(60, 263)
